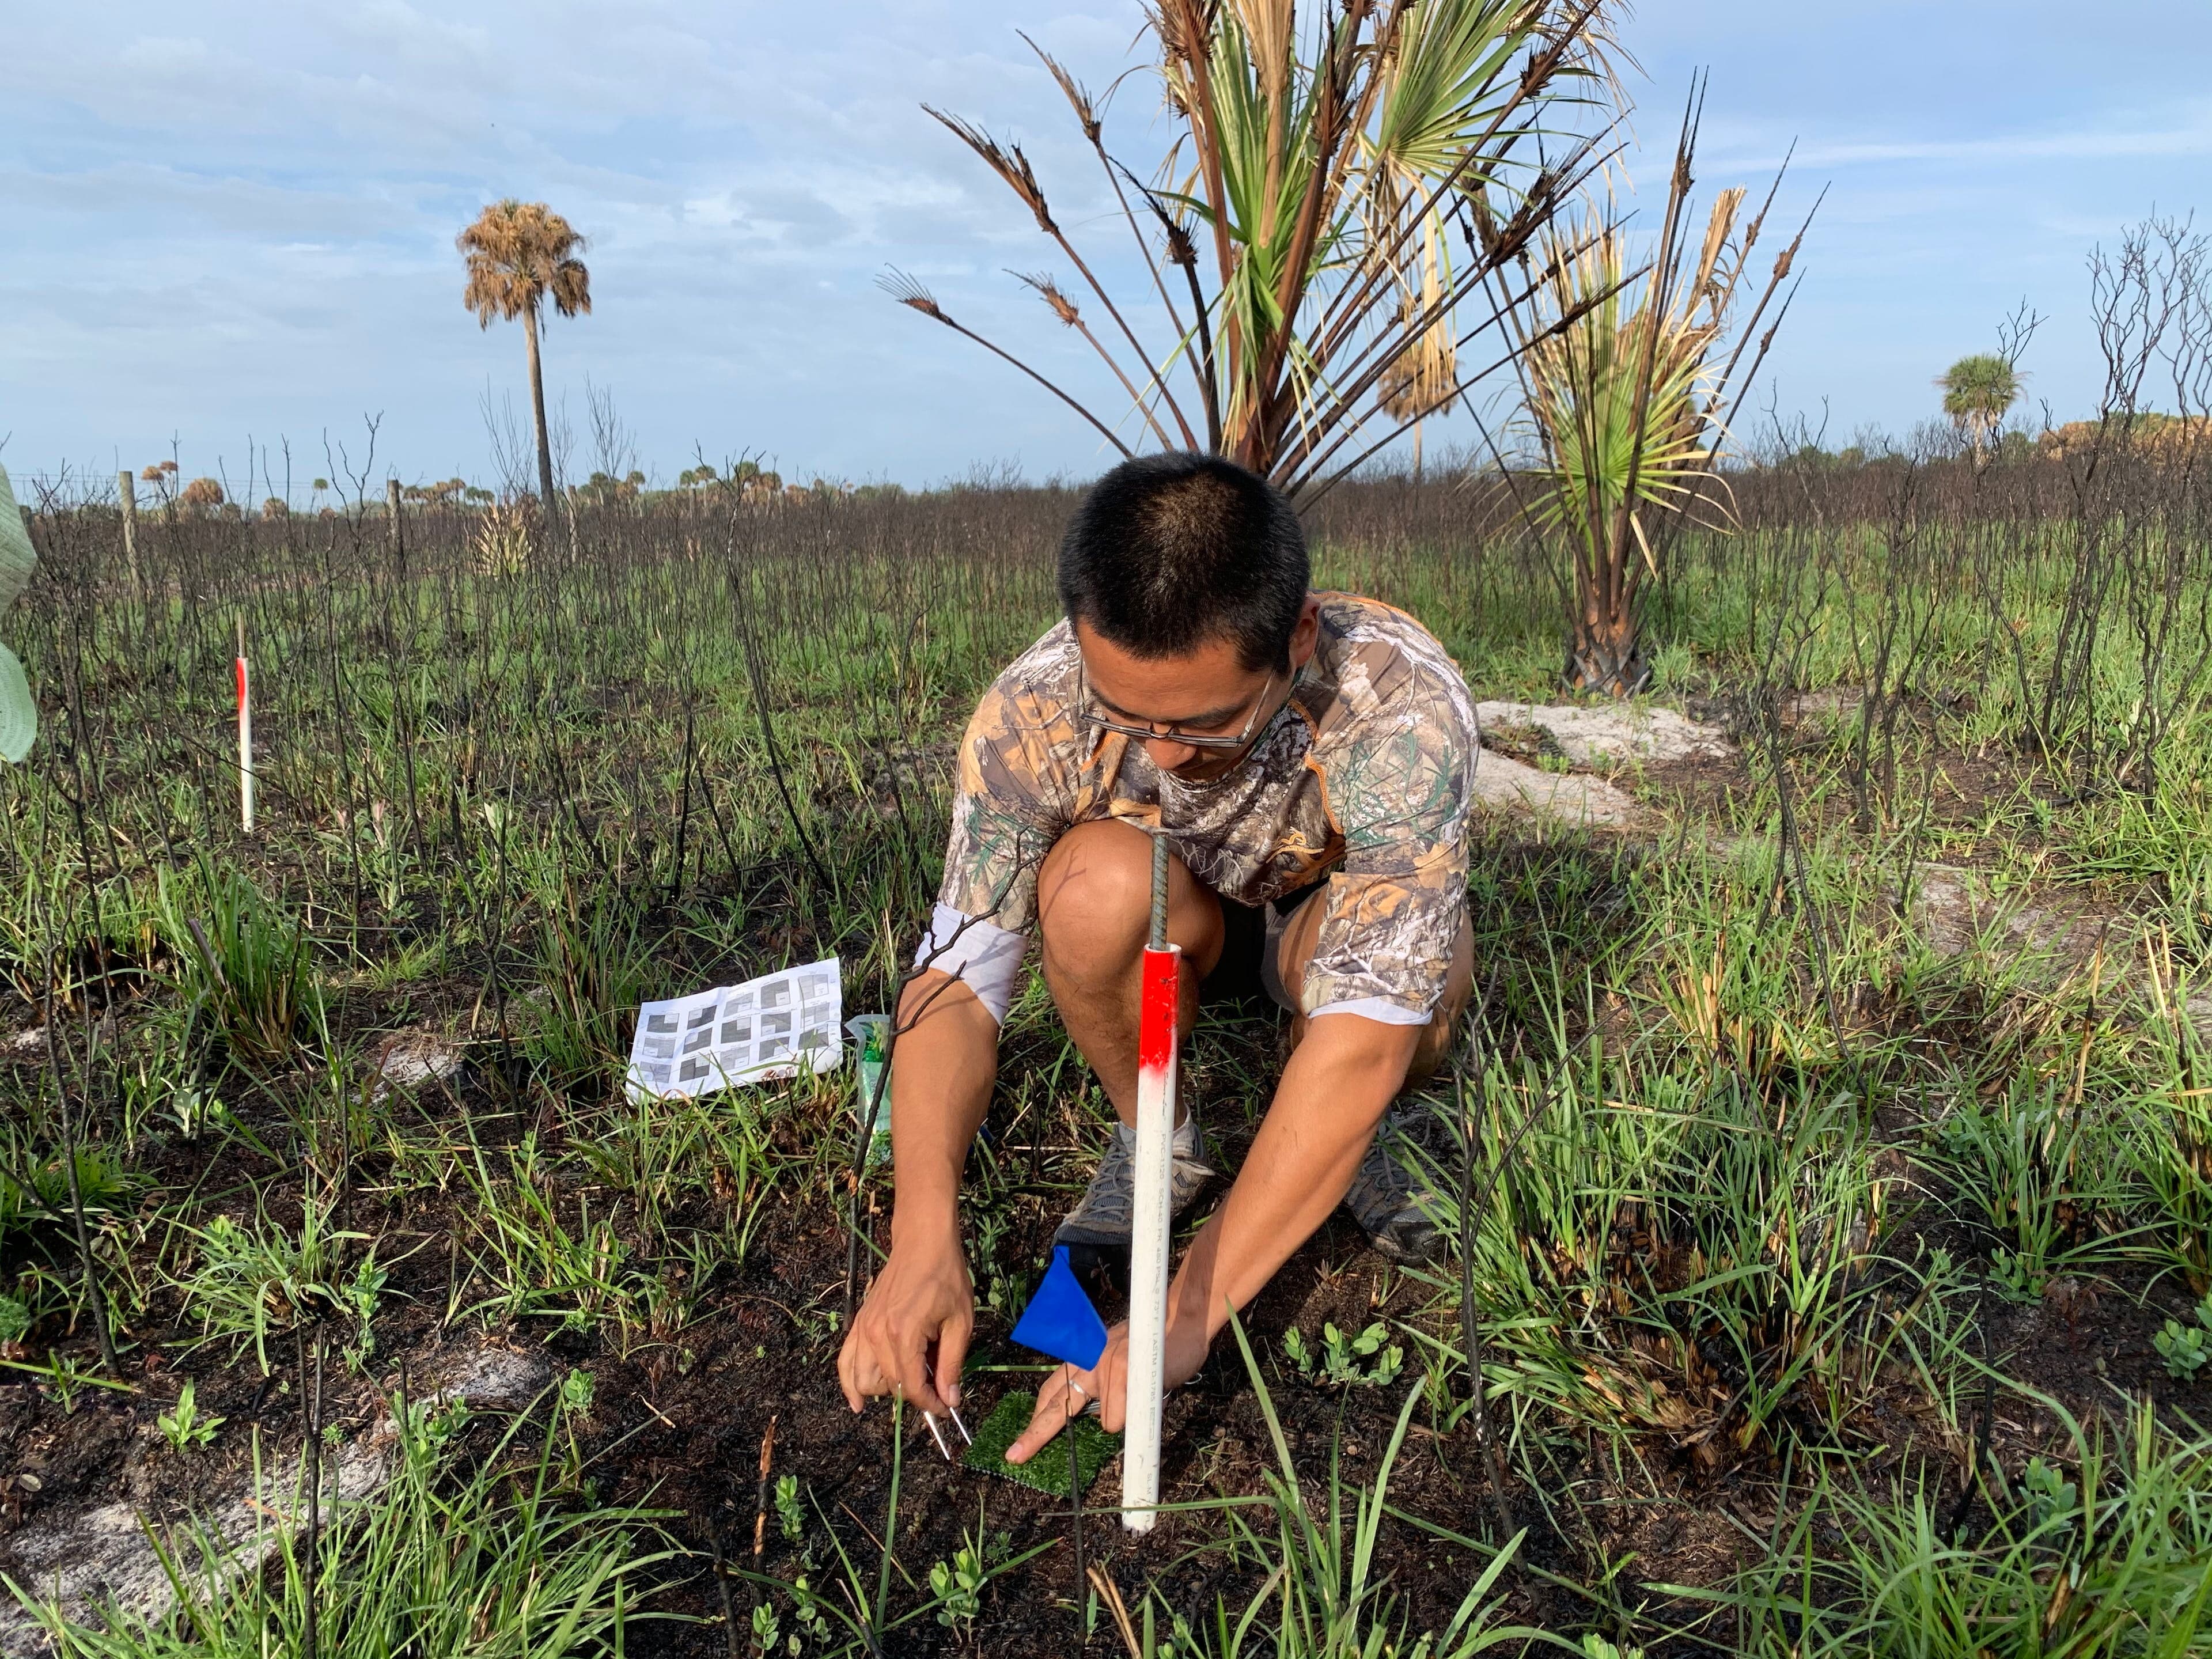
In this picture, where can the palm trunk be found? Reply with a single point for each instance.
(538, 412)
(1605, 652)
(1605, 655)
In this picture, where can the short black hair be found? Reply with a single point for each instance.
(1169, 552)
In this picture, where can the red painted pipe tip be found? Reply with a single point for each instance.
(1156, 1010)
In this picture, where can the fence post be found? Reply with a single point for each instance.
(392, 507)
(127, 493)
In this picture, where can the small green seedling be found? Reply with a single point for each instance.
(1343, 1361)
(14, 1321)
(1048, 1471)
(196, 1109)
(958, 1585)
(572, 1402)
(183, 1426)
(64, 1381)
(2050, 1494)
(2015, 1277)
(808, 1612)
(2186, 1349)
(789, 1509)
(576, 1391)
(808, 1619)
(359, 1296)
(437, 1424)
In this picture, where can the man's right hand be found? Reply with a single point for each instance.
(921, 1300)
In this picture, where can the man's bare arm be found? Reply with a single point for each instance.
(1339, 1083)
(946, 1062)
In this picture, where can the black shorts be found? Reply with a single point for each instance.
(1246, 972)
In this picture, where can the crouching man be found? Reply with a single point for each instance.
(1308, 757)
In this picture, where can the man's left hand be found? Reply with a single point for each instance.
(1332, 1093)
(1068, 1392)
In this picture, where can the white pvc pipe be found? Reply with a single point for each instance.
(1148, 1240)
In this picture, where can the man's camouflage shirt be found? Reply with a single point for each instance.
(1363, 777)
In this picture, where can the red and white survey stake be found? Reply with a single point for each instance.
(1149, 1223)
(244, 735)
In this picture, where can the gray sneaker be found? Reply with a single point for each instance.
(1386, 1201)
(1104, 1219)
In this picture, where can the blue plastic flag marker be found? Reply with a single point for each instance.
(1060, 1320)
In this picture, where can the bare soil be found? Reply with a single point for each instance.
(678, 1426)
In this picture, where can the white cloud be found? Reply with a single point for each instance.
(247, 221)
(2191, 137)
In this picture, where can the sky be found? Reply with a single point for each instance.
(232, 223)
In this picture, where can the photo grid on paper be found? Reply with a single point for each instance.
(765, 1029)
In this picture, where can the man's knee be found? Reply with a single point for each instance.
(1095, 891)
(1095, 903)
(1437, 1038)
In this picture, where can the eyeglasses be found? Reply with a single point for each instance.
(1090, 716)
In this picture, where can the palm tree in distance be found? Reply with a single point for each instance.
(519, 255)
(1978, 389)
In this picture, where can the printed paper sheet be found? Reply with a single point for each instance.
(767, 1027)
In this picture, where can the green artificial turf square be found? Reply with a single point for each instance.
(1048, 1471)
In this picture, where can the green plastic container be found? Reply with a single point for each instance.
(872, 1032)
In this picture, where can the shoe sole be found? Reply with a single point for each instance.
(1090, 1238)
(1101, 1267)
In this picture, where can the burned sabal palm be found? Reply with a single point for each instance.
(1629, 376)
(1292, 233)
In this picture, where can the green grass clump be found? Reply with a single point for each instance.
(2104, 1550)
(252, 1283)
(241, 959)
(457, 1556)
(1048, 1470)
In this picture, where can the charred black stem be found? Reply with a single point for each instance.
(94, 1296)
(1493, 1472)
(311, 1458)
(756, 676)
(900, 1023)
(1979, 1456)
(722, 1586)
(683, 809)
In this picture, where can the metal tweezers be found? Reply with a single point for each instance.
(937, 1434)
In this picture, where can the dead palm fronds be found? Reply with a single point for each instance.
(520, 254)
(1424, 379)
(1629, 381)
(1293, 232)
(502, 541)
